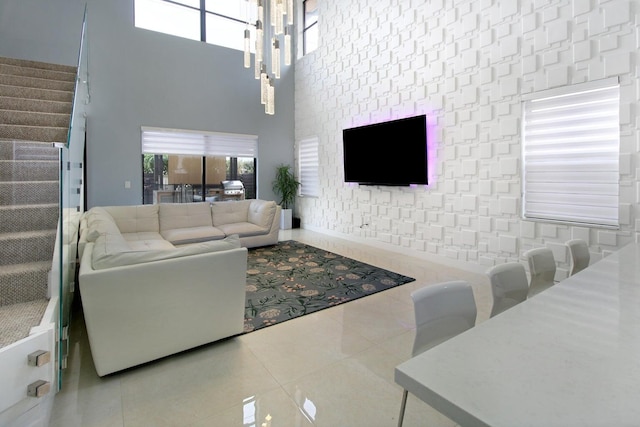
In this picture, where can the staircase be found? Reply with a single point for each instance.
(35, 110)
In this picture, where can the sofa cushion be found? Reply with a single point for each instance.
(261, 213)
(133, 219)
(244, 229)
(99, 222)
(101, 226)
(97, 212)
(131, 257)
(184, 215)
(230, 212)
(150, 245)
(146, 235)
(146, 241)
(107, 245)
(181, 236)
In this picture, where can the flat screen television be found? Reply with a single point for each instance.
(389, 153)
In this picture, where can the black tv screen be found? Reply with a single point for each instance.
(389, 153)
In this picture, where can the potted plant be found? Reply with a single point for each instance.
(286, 187)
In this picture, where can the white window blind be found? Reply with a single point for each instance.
(308, 167)
(198, 143)
(571, 146)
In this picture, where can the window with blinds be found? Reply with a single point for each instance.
(308, 167)
(571, 149)
(198, 143)
(184, 165)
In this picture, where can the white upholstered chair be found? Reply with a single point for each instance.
(442, 311)
(579, 251)
(509, 286)
(542, 268)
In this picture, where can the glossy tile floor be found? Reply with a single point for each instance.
(331, 368)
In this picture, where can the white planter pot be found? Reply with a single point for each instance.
(286, 219)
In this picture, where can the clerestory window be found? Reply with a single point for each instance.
(212, 21)
(309, 26)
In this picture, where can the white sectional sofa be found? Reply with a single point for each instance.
(166, 225)
(159, 279)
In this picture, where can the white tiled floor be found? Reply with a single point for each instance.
(331, 368)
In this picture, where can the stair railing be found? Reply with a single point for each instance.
(72, 202)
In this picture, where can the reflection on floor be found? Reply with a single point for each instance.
(331, 368)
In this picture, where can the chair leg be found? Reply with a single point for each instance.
(402, 407)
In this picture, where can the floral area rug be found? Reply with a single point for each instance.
(292, 279)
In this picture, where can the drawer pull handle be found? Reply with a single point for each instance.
(38, 388)
(39, 358)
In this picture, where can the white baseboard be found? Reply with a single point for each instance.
(438, 259)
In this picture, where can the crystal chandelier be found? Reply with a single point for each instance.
(270, 39)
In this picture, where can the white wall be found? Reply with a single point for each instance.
(39, 30)
(143, 78)
(467, 67)
(140, 77)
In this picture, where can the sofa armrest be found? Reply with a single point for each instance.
(271, 237)
(262, 212)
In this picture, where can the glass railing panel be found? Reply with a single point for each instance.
(72, 201)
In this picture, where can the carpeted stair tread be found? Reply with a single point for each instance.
(28, 150)
(8, 237)
(37, 64)
(43, 104)
(24, 282)
(21, 70)
(11, 80)
(28, 192)
(17, 320)
(35, 108)
(25, 267)
(18, 218)
(34, 133)
(11, 94)
(26, 246)
(29, 170)
(32, 118)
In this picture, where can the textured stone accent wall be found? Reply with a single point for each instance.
(466, 64)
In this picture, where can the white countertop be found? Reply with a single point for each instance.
(569, 356)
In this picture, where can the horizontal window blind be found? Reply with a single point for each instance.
(571, 146)
(308, 167)
(198, 143)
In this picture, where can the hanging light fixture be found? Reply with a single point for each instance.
(247, 48)
(269, 108)
(275, 58)
(264, 81)
(287, 46)
(280, 21)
